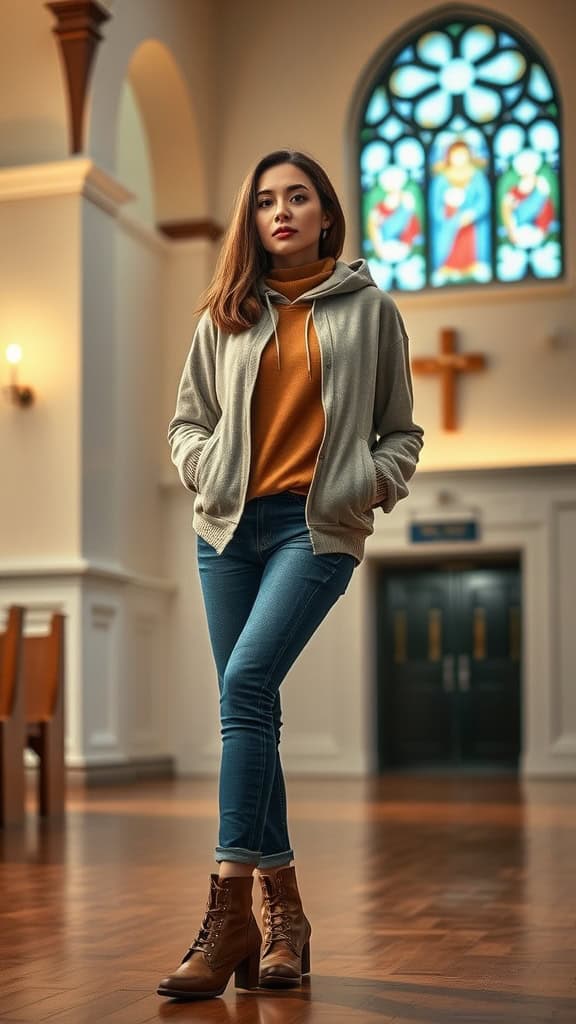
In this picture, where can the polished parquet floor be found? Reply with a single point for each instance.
(432, 900)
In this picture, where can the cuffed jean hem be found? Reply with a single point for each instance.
(276, 860)
(237, 854)
(240, 856)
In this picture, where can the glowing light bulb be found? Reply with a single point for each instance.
(14, 354)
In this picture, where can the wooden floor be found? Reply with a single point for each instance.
(431, 900)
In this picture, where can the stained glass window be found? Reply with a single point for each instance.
(460, 161)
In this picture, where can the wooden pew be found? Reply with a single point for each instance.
(43, 683)
(12, 721)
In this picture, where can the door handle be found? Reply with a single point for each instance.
(448, 673)
(463, 673)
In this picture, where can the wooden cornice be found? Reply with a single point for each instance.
(179, 229)
(77, 31)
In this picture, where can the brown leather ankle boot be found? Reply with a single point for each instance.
(286, 947)
(229, 941)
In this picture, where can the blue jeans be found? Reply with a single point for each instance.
(265, 596)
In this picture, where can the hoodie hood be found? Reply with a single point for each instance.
(347, 277)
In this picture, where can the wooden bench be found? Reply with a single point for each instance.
(42, 679)
(12, 721)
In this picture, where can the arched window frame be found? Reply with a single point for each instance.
(379, 75)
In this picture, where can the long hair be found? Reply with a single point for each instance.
(232, 298)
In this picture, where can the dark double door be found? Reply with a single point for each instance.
(449, 660)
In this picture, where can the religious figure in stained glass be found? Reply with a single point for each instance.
(528, 223)
(393, 223)
(527, 209)
(460, 216)
(460, 161)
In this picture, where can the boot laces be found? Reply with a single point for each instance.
(277, 916)
(209, 925)
(209, 929)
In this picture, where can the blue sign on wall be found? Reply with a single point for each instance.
(456, 530)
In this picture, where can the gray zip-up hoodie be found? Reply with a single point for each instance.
(370, 446)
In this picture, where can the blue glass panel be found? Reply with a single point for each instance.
(505, 69)
(391, 129)
(512, 264)
(544, 136)
(482, 104)
(404, 107)
(374, 157)
(546, 262)
(540, 87)
(410, 81)
(435, 48)
(434, 110)
(512, 93)
(411, 275)
(509, 140)
(525, 111)
(410, 154)
(477, 42)
(457, 76)
(378, 107)
(406, 56)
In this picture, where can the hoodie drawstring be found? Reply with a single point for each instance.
(306, 338)
(266, 296)
(306, 341)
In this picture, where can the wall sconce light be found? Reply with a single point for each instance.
(17, 393)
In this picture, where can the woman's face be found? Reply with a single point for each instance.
(289, 216)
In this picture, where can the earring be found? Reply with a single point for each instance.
(324, 233)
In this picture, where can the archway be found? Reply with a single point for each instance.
(154, 91)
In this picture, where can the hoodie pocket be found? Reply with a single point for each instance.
(348, 488)
(204, 455)
(370, 470)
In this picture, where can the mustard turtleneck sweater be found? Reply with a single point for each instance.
(287, 415)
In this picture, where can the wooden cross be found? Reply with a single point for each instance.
(448, 364)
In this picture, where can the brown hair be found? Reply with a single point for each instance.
(232, 297)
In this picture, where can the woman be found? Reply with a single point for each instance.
(293, 420)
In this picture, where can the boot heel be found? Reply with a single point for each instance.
(306, 958)
(246, 973)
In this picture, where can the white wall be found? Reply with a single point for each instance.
(40, 309)
(134, 167)
(187, 29)
(140, 437)
(32, 105)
